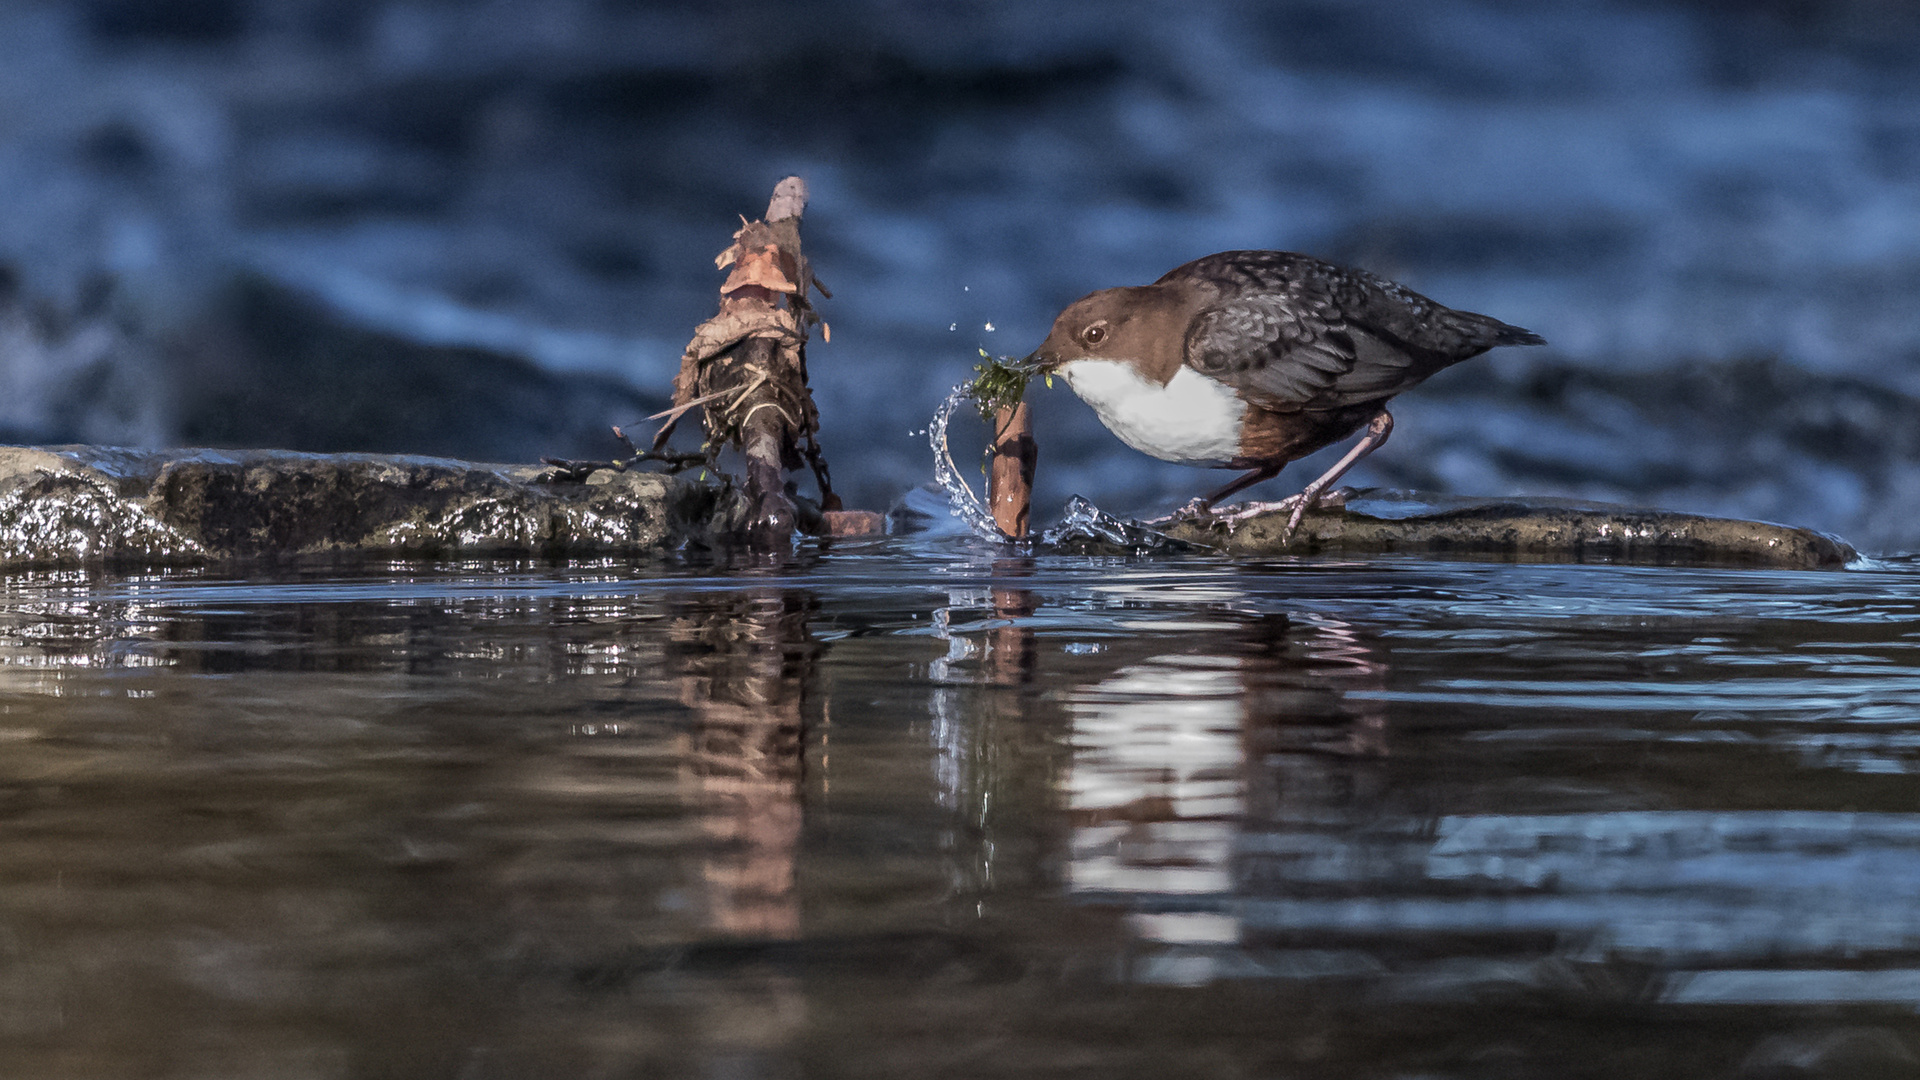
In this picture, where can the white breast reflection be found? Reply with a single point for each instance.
(1178, 760)
(1155, 788)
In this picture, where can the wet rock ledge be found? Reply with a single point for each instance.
(82, 505)
(1377, 521)
(90, 505)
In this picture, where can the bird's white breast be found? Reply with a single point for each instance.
(1192, 420)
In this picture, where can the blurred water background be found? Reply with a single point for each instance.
(485, 229)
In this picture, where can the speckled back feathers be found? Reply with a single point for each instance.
(1292, 332)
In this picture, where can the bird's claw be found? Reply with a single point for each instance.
(1293, 521)
(1196, 511)
(1201, 512)
(1309, 499)
(1298, 505)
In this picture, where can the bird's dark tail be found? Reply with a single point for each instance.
(1482, 332)
(1513, 335)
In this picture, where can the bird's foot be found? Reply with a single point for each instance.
(1197, 511)
(1298, 504)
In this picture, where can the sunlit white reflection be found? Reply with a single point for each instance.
(1155, 785)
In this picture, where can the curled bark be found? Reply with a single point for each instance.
(746, 368)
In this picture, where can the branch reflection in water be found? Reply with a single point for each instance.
(745, 661)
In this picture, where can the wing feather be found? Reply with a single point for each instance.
(1289, 332)
(1286, 356)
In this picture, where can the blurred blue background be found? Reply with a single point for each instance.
(486, 228)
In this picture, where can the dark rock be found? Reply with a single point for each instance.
(54, 512)
(1535, 530)
(91, 505)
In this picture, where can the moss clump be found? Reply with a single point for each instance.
(999, 385)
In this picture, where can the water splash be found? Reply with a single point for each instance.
(1082, 521)
(966, 506)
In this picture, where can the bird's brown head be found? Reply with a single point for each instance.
(1144, 325)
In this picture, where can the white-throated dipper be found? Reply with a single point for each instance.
(1251, 359)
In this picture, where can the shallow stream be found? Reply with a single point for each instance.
(915, 808)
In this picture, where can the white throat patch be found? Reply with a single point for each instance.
(1192, 420)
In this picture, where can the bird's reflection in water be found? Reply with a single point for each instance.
(1182, 754)
(1159, 749)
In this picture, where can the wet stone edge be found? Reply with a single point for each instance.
(75, 506)
(1381, 522)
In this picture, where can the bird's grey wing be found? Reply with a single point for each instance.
(1397, 314)
(1293, 351)
(1404, 327)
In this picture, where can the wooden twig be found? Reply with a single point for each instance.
(675, 412)
(1014, 456)
(572, 471)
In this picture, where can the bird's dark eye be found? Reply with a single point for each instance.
(1095, 334)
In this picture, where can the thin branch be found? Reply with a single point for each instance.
(569, 471)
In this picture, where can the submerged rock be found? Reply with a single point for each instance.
(1376, 521)
(79, 505)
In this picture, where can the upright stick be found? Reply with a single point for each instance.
(746, 367)
(1010, 475)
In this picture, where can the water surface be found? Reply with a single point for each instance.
(918, 809)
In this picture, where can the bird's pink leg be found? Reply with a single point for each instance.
(1378, 429)
(1264, 472)
(1200, 508)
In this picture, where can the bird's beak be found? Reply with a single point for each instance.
(1034, 364)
